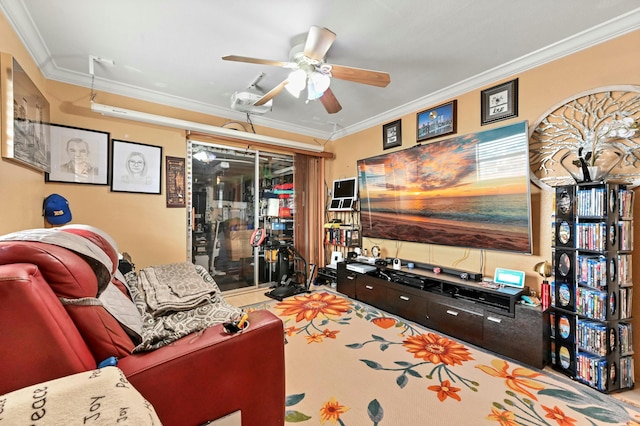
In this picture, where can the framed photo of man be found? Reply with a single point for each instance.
(78, 155)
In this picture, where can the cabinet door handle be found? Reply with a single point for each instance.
(351, 277)
(368, 287)
(405, 298)
(494, 319)
(450, 312)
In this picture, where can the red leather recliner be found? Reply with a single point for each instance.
(201, 377)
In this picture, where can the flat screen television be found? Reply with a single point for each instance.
(468, 191)
(344, 194)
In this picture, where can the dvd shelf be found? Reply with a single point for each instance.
(342, 235)
(591, 336)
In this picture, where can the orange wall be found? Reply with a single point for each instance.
(140, 223)
(610, 63)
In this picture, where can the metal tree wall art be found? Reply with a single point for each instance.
(593, 136)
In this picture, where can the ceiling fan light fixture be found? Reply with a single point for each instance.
(297, 80)
(318, 83)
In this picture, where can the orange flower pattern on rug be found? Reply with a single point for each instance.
(384, 322)
(556, 414)
(437, 349)
(505, 418)
(445, 390)
(444, 365)
(321, 306)
(308, 307)
(519, 379)
(331, 411)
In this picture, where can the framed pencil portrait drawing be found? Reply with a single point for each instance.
(135, 167)
(78, 155)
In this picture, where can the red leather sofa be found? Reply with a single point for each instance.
(199, 378)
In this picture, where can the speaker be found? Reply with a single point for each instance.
(397, 264)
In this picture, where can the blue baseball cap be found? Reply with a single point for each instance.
(56, 210)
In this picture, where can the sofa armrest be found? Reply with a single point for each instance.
(39, 341)
(207, 375)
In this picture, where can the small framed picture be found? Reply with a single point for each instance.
(438, 121)
(175, 179)
(499, 102)
(135, 167)
(392, 134)
(78, 155)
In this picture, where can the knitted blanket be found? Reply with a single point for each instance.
(174, 287)
(198, 305)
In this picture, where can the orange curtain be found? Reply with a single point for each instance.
(309, 207)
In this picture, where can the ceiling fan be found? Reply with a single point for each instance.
(311, 71)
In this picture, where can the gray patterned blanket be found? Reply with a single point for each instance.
(188, 303)
(174, 287)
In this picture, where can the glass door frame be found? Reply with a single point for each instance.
(256, 219)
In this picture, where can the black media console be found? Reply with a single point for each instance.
(455, 303)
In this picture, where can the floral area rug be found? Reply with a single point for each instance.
(348, 363)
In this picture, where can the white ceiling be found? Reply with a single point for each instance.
(169, 51)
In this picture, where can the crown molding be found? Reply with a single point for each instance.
(19, 18)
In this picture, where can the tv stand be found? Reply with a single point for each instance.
(461, 308)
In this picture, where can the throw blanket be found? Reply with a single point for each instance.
(98, 397)
(94, 255)
(161, 330)
(174, 287)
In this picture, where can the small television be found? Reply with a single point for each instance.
(344, 194)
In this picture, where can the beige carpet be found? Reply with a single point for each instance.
(350, 364)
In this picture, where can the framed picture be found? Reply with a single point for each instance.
(499, 102)
(175, 182)
(25, 135)
(135, 167)
(392, 134)
(78, 155)
(438, 121)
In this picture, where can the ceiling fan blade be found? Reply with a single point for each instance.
(271, 93)
(330, 102)
(319, 40)
(255, 60)
(360, 75)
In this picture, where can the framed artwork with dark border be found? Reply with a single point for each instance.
(392, 134)
(25, 115)
(175, 181)
(437, 121)
(78, 155)
(499, 102)
(135, 167)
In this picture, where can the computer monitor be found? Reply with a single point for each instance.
(344, 194)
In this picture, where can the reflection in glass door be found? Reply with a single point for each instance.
(227, 186)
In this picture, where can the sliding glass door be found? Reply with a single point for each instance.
(230, 193)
